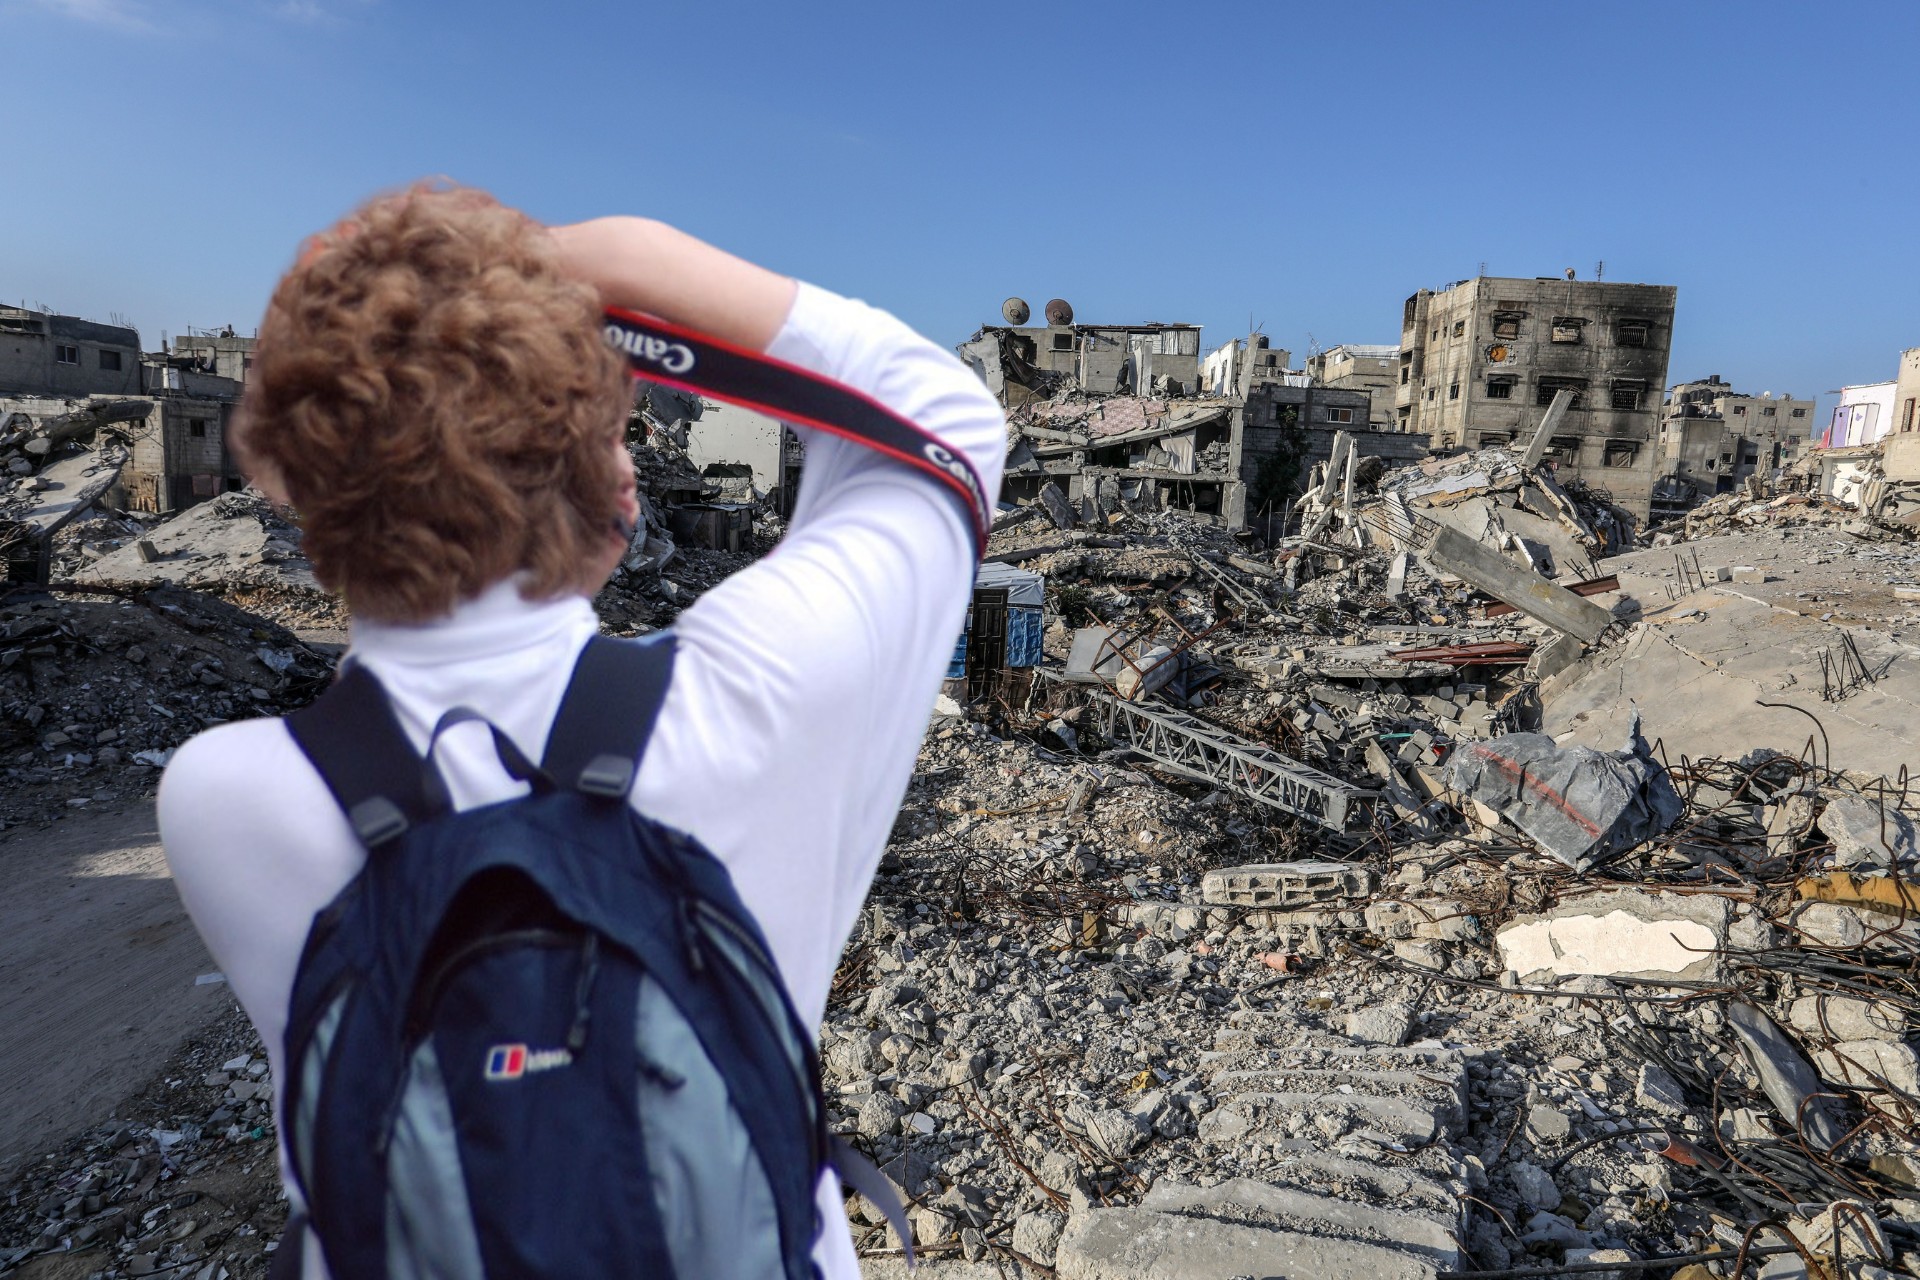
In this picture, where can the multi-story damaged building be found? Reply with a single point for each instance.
(181, 455)
(1105, 440)
(1371, 368)
(1482, 359)
(222, 352)
(1713, 437)
(43, 354)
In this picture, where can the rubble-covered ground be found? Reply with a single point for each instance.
(1613, 962)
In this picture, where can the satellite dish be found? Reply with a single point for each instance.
(1016, 310)
(1058, 312)
(1569, 273)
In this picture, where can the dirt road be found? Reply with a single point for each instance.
(97, 969)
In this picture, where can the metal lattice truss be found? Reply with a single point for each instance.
(1206, 753)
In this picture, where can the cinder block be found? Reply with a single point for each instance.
(1285, 884)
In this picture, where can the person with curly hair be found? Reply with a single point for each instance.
(434, 398)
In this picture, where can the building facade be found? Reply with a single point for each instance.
(1864, 415)
(1906, 393)
(43, 354)
(1373, 369)
(1100, 359)
(181, 455)
(1236, 368)
(1481, 360)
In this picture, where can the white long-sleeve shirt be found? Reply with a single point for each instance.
(800, 694)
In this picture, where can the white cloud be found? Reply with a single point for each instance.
(124, 15)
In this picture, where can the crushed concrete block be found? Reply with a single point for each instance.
(1749, 573)
(1867, 834)
(1058, 509)
(1626, 933)
(1547, 1125)
(1534, 1184)
(1599, 1258)
(1285, 884)
(1853, 1221)
(1260, 1203)
(1835, 924)
(1037, 1236)
(1865, 1063)
(1386, 1024)
(1658, 1092)
(1846, 1018)
(1433, 920)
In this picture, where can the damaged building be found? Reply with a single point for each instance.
(65, 381)
(1367, 367)
(1479, 359)
(1230, 438)
(1713, 437)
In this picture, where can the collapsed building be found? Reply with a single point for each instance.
(1712, 438)
(1113, 418)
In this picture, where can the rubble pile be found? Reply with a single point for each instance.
(182, 1181)
(1313, 905)
(1080, 1037)
(96, 690)
(1731, 512)
(235, 546)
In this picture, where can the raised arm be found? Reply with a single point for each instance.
(643, 265)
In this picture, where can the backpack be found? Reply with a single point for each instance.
(543, 1037)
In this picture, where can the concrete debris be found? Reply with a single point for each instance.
(1264, 902)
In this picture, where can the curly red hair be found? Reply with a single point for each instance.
(434, 397)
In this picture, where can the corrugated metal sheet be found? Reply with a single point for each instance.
(1025, 629)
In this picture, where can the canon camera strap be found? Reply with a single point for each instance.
(689, 361)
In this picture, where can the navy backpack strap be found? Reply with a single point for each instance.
(608, 714)
(356, 743)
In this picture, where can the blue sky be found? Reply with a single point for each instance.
(1303, 166)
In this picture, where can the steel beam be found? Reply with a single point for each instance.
(1207, 753)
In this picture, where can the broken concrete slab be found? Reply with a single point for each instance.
(1145, 1244)
(1455, 553)
(1831, 1017)
(233, 540)
(1871, 1064)
(1262, 1204)
(1626, 933)
(69, 487)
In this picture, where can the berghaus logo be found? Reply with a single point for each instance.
(512, 1061)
